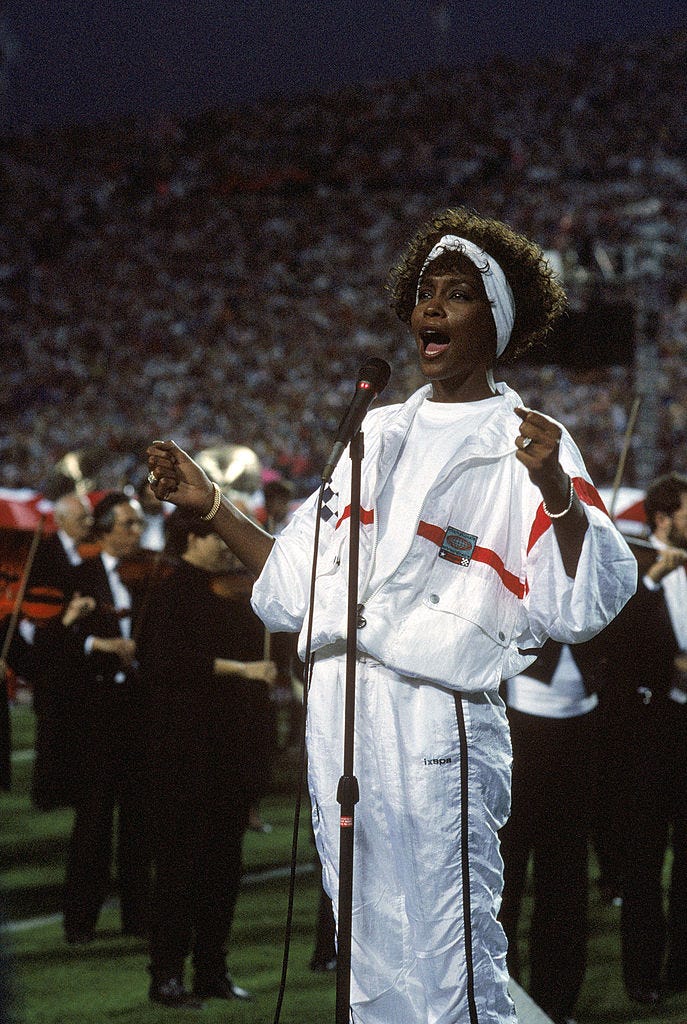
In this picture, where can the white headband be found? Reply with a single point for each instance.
(495, 284)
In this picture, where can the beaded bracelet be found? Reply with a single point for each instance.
(559, 515)
(215, 504)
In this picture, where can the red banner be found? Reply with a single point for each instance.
(23, 509)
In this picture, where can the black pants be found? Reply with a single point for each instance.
(551, 797)
(201, 815)
(656, 818)
(115, 779)
(609, 816)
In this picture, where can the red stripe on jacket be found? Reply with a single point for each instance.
(585, 491)
(367, 516)
(436, 535)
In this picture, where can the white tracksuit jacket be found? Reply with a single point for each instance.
(482, 582)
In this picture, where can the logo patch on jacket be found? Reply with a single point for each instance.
(458, 546)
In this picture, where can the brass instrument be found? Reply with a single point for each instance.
(78, 471)
(236, 469)
(233, 467)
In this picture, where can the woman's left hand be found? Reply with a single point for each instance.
(538, 445)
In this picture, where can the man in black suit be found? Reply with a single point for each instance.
(103, 653)
(54, 765)
(644, 649)
(57, 767)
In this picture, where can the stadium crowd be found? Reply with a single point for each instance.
(246, 249)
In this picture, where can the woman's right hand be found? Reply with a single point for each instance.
(176, 478)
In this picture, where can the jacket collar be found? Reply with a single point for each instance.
(496, 438)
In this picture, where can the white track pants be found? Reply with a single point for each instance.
(433, 768)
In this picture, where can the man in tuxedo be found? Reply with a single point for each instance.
(57, 767)
(102, 651)
(644, 650)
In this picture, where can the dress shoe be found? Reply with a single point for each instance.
(219, 988)
(172, 993)
(610, 895)
(645, 996)
(320, 966)
(262, 827)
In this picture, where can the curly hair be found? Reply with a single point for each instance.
(539, 298)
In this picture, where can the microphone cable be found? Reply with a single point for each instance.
(307, 676)
(372, 379)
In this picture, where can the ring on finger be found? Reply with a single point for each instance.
(526, 442)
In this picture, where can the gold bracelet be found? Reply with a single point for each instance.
(559, 515)
(215, 504)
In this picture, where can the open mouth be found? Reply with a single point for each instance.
(434, 342)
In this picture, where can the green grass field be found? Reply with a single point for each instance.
(107, 981)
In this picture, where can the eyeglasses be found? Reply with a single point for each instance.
(130, 524)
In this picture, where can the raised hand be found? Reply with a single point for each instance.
(175, 477)
(538, 445)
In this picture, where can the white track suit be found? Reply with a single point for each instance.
(479, 579)
(434, 773)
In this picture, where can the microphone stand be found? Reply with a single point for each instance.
(348, 793)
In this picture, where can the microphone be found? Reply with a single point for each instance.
(373, 377)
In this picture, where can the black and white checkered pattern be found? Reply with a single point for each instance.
(330, 506)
